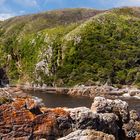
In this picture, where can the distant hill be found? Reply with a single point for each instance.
(37, 22)
(73, 46)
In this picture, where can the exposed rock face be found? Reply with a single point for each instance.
(27, 119)
(52, 124)
(102, 105)
(134, 92)
(18, 122)
(138, 137)
(134, 115)
(88, 135)
(93, 91)
(5, 96)
(128, 122)
(3, 78)
(132, 127)
(84, 118)
(88, 91)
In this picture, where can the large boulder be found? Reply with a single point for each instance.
(88, 91)
(118, 107)
(52, 124)
(15, 121)
(18, 121)
(128, 122)
(138, 137)
(84, 118)
(132, 128)
(88, 135)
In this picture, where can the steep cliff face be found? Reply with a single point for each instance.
(73, 46)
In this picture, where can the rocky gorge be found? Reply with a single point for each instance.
(27, 119)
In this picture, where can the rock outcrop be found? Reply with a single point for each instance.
(88, 134)
(128, 123)
(104, 90)
(132, 127)
(118, 107)
(27, 119)
(88, 91)
(19, 121)
(84, 118)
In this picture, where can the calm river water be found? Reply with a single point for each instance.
(57, 100)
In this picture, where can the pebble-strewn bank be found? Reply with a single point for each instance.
(27, 119)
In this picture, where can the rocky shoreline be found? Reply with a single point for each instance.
(27, 119)
(89, 91)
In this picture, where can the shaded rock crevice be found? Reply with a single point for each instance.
(4, 80)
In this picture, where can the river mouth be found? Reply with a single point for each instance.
(53, 100)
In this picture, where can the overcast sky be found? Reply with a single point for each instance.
(10, 8)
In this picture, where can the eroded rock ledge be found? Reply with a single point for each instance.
(27, 119)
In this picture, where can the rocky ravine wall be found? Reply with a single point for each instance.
(26, 119)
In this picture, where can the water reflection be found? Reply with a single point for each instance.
(56, 100)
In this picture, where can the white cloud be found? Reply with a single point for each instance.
(128, 3)
(30, 3)
(134, 0)
(4, 16)
(58, 2)
(22, 12)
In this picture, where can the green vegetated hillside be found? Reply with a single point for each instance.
(24, 39)
(73, 46)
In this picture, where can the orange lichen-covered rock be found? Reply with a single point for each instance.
(137, 137)
(44, 126)
(18, 121)
(53, 123)
(26, 119)
(15, 123)
(18, 104)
